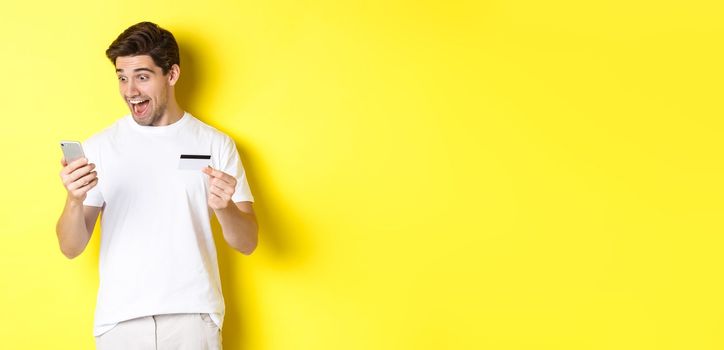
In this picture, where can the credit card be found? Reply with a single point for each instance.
(193, 161)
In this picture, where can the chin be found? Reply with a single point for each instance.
(145, 121)
(142, 122)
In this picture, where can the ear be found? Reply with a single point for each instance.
(173, 74)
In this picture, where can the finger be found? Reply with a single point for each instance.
(79, 162)
(80, 172)
(88, 178)
(74, 165)
(214, 173)
(223, 185)
(82, 190)
(218, 174)
(79, 188)
(62, 162)
(92, 183)
(83, 181)
(219, 193)
(77, 174)
(213, 196)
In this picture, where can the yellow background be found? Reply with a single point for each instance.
(428, 175)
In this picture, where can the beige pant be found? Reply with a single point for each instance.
(163, 332)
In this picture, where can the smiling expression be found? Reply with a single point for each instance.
(144, 87)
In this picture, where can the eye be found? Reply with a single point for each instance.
(143, 77)
(121, 78)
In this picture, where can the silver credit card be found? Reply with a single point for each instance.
(193, 161)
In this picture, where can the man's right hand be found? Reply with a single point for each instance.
(78, 178)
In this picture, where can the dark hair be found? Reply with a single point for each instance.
(146, 38)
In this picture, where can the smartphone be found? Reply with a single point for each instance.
(72, 150)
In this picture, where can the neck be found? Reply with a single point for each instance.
(172, 115)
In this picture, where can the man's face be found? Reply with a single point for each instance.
(144, 87)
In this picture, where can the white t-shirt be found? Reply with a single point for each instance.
(157, 253)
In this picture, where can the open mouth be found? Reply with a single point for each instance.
(139, 106)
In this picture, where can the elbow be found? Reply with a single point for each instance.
(70, 254)
(248, 245)
(247, 250)
(69, 250)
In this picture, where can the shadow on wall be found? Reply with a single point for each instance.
(188, 82)
(276, 239)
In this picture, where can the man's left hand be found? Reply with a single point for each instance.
(221, 188)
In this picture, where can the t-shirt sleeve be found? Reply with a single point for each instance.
(230, 163)
(93, 198)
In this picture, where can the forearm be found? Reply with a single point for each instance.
(240, 229)
(73, 236)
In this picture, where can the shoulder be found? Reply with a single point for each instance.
(209, 132)
(104, 134)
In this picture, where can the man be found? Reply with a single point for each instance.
(159, 277)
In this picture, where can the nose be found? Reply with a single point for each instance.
(129, 89)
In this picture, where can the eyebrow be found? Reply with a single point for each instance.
(138, 70)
